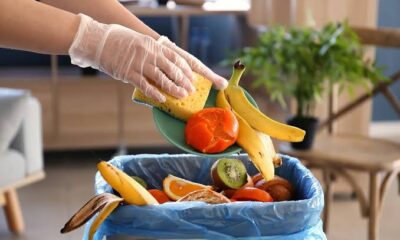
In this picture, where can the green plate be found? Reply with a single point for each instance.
(174, 129)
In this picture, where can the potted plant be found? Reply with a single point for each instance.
(301, 63)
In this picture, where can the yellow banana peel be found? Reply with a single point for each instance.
(103, 214)
(130, 190)
(250, 141)
(258, 120)
(252, 144)
(104, 203)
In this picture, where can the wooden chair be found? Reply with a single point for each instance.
(338, 155)
(21, 161)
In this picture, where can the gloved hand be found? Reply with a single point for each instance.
(131, 57)
(195, 64)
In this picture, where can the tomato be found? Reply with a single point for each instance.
(257, 178)
(279, 188)
(252, 194)
(212, 130)
(159, 195)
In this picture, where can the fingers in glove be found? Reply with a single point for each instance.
(174, 73)
(199, 67)
(148, 90)
(179, 61)
(218, 81)
(161, 80)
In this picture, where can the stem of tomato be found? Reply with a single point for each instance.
(238, 70)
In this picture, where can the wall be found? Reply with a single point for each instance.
(223, 38)
(358, 13)
(388, 17)
(227, 39)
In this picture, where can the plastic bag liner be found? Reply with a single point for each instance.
(298, 219)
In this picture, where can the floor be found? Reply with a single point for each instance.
(47, 205)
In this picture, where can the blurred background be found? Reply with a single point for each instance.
(87, 117)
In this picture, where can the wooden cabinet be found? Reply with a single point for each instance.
(90, 112)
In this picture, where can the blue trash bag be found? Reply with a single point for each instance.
(297, 219)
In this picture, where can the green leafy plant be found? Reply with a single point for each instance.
(301, 62)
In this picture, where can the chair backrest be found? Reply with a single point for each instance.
(380, 37)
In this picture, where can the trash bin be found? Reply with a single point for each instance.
(297, 219)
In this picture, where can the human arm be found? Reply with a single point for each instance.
(36, 27)
(111, 11)
(118, 51)
(105, 11)
(33, 26)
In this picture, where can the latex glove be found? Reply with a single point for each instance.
(131, 57)
(196, 65)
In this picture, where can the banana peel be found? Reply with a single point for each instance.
(259, 121)
(131, 191)
(104, 203)
(221, 101)
(258, 150)
(103, 214)
(249, 140)
(270, 149)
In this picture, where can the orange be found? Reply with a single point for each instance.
(176, 187)
(212, 130)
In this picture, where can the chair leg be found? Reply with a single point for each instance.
(373, 222)
(398, 184)
(2, 199)
(13, 212)
(328, 197)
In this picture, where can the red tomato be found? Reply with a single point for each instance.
(252, 194)
(159, 195)
(212, 130)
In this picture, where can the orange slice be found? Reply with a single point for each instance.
(176, 187)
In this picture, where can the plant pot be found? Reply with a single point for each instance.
(308, 124)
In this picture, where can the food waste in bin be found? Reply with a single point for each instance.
(231, 183)
(208, 129)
